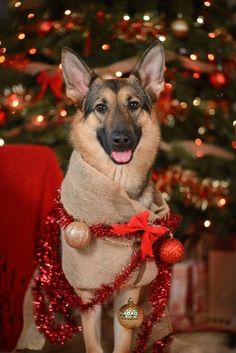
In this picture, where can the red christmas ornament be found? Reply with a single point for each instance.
(218, 79)
(3, 117)
(45, 26)
(171, 251)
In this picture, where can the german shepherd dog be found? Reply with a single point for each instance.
(116, 131)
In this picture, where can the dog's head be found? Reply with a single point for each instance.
(116, 121)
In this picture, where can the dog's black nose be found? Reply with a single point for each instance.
(121, 140)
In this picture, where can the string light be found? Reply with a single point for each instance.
(118, 73)
(2, 142)
(67, 12)
(146, 18)
(211, 35)
(39, 120)
(233, 144)
(17, 4)
(105, 47)
(197, 101)
(126, 17)
(32, 51)
(221, 202)
(162, 38)
(207, 3)
(200, 20)
(30, 16)
(198, 142)
(63, 113)
(201, 130)
(2, 59)
(207, 223)
(193, 57)
(211, 57)
(21, 36)
(234, 125)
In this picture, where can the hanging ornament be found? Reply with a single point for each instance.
(77, 235)
(218, 79)
(171, 250)
(179, 27)
(3, 117)
(130, 315)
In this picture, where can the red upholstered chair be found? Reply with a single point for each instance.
(29, 179)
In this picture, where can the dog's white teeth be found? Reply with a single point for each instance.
(122, 157)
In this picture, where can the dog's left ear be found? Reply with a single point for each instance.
(150, 69)
(77, 75)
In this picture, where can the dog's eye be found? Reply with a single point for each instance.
(101, 108)
(133, 105)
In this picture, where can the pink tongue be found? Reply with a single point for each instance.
(121, 157)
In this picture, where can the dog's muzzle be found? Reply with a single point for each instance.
(119, 144)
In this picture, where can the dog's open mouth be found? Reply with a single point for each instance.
(121, 157)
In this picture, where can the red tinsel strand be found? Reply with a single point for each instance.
(158, 298)
(161, 345)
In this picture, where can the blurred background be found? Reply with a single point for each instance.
(195, 168)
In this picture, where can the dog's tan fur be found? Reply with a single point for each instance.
(143, 86)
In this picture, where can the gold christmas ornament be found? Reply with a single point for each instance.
(130, 315)
(77, 235)
(179, 28)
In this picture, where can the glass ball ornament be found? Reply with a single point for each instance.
(179, 28)
(130, 315)
(171, 250)
(77, 235)
(218, 79)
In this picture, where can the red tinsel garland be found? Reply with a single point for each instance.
(53, 294)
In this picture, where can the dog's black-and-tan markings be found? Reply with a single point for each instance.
(97, 87)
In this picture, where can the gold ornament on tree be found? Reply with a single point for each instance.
(179, 27)
(130, 315)
(77, 235)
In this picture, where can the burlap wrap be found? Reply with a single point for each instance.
(91, 197)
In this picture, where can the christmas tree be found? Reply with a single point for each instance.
(196, 166)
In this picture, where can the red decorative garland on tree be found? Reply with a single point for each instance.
(53, 294)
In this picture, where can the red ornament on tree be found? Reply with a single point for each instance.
(171, 250)
(218, 79)
(45, 26)
(3, 117)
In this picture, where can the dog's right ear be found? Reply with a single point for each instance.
(77, 75)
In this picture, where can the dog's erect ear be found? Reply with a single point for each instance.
(151, 69)
(77, 75)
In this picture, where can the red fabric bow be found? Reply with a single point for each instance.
(151, 232)
(54, 81)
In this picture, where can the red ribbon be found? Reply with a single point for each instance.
(150, 232)
(54, 81)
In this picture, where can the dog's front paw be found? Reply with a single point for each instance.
(77, 235)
